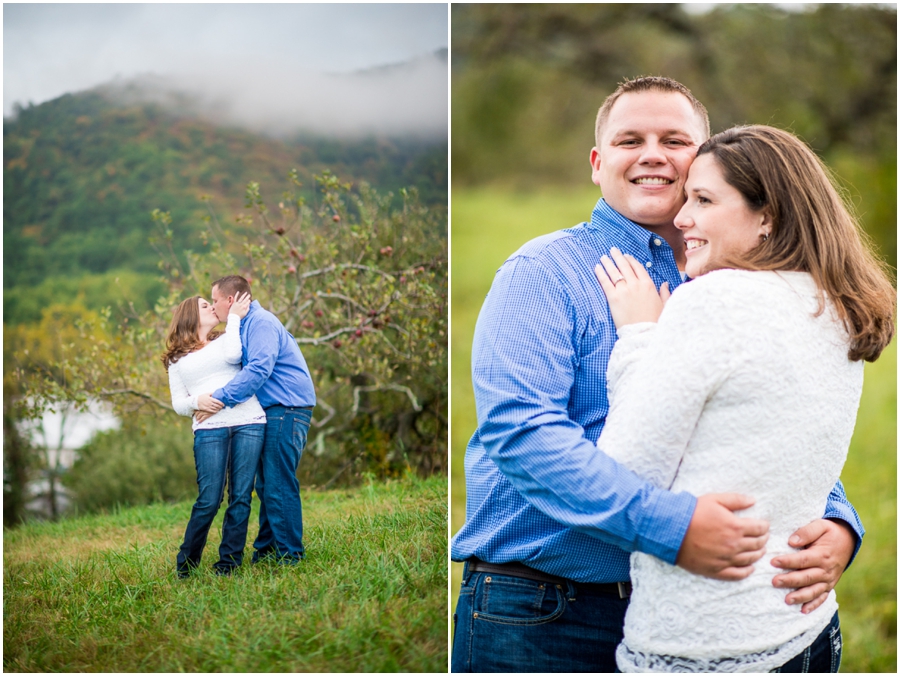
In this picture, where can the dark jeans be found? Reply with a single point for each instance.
(822, 657)
(510, 624)
(280, 512)
(226, 452)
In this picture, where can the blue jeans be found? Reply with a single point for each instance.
(510, 624)
(822, 657)
(230, 453)
(280, 512)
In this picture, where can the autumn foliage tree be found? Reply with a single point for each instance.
(360, 280)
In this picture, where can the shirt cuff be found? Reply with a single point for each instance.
(194, 402)
(662, 530)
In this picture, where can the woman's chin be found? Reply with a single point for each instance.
(693, 269)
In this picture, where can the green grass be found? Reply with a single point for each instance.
(98, 593)
(489, 225)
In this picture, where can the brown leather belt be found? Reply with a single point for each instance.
(516, 569)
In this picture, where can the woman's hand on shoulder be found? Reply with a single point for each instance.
(240, 306)
(631, 294)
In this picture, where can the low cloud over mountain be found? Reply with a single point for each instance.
(407, 99)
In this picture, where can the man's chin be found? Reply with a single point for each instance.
(653, 215)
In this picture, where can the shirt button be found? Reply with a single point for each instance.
(657, 242)
(649, 264)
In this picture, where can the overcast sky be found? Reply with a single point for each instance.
(291, 60)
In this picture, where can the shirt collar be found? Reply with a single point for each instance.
(611, 223)
(254, 305)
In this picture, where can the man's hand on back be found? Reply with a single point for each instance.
(719, 544)
(825, 550)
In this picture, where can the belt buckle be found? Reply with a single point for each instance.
(623, 590)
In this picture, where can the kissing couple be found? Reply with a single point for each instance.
(249, 392)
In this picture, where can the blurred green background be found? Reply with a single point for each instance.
(526, 84)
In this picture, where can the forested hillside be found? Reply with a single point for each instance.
(115, 212)
(83, 173)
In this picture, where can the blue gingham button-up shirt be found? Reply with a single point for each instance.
(538, 490)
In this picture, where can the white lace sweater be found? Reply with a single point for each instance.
(738, 388)
(206, 370)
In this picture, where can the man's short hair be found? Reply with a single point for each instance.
(232, 285)
(648, 84)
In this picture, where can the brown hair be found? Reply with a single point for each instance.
(813, 230)
(232, 285)
(648, 84)
(184, 332)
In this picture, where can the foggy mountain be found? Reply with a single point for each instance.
(408, 99)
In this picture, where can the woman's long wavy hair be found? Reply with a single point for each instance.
(813, 230)
(184, 332)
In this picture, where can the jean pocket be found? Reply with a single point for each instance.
(512, 600)
(299, 431)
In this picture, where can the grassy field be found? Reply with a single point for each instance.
(99, 594)
(489, 225)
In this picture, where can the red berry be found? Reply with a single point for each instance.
(291, 268)
(318, 313)
(336, 218)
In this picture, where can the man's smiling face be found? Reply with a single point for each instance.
(647, 146)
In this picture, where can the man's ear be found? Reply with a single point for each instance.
(595, 165)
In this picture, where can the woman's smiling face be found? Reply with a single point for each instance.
(716, 221)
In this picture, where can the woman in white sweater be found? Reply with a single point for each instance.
(228, 443)
(749, 382)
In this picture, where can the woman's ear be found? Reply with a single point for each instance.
(765, 228)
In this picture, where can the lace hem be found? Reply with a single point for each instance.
(632, 662)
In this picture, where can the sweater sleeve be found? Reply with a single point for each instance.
(182, 401)
(232, 351)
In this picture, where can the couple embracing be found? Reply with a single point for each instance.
(251, 397)
(654, 481)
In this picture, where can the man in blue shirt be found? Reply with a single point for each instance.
(549, 519)
(276, 372)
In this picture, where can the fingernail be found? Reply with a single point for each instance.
(794, 540)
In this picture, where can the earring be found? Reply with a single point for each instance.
(765, 237)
